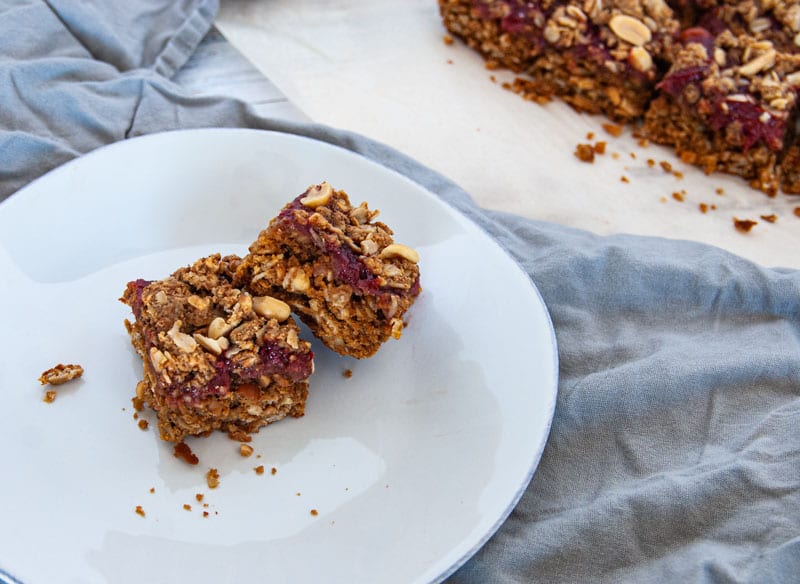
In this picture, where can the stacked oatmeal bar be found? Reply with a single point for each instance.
(338, 269)
(716, 79)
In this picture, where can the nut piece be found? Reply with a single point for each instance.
(197, 302)
(630, 29)
(270, 307)
(640, 59)
(60, 374)
(318, 195)
(183, 341)
(397, 250)
(793, 78)
(211, 345)
(297, 281)
(219, 328)
(157, 358)
(763, 61)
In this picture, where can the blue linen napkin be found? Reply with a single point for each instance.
(674, 454)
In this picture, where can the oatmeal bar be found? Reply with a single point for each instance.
(728, 103)
(600, 57)
(215, 357)
(337, 268)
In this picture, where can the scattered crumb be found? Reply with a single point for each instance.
(677, 174)
(135, 415)
(185, 453)
(143, 424)
(713, 207)
(139, 510)
(199, 497)
(643, 142)
(506, 85)
(663, 199)
(187, 506)
(651, 163)
(152, 490)
(60, 374)
(298, 493)
(744, 225)
(492, 78)
(347, 373)
(449, 61)
(314, 512)
(212, 478)
(615, 155)
(205, 513)
(666, 166)
(613, 129)
(600, 147)
(49, 396)
(797, 211)
(448, 40)
(138, 403)
(770, 218)
(590, 135)
(678, 196)
(492, 66)
(624, 179)
(274, 471)
(259, 469)
(703, 208)
(245, 450)
(584, 152)
(633, 155)
(719, 191)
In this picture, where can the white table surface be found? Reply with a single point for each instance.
(381, 68)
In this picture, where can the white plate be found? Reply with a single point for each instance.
(411, 464)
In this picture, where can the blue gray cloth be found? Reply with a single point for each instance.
(674, 454)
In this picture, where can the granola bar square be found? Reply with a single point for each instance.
(215, 357)
(338, 269)
(600, 57)
(728, 103)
